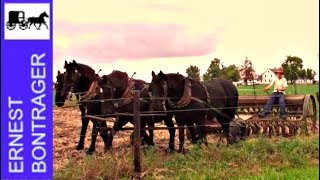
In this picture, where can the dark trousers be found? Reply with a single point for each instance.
(273, 97)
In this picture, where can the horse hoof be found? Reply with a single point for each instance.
(89, 152)
(107, 148)
(79, 148)
(182, 151)
(169, 151)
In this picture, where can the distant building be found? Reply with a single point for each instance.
(267, 76)
(304, 81)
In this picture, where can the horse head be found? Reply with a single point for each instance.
(70, 77)
(158, 90)
(173, 87)
(112, 87)
(77, 77)
(59, 99)
(44, 14)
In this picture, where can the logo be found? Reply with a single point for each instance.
(27, 21)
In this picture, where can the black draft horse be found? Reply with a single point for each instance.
(117, 97)
(77, 79)
(192, 102)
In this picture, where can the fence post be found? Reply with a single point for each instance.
(136, 139)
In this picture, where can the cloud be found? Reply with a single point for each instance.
(134, 41)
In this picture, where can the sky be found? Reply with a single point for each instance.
(170, 35)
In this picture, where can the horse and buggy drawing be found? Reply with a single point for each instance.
(178, 101)
(18, 18)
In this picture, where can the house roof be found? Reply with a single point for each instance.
(259, 77)
(271, 69)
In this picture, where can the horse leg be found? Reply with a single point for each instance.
(172, 131)
(39, 26)
(225, 127)
(151, 125)
(84, 126)
(181, 138)
(192, 129)
(104, 133)
(94, 135)
(116, 127)
(45, 24)
(202, 130)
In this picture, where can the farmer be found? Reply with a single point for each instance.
(280, 84)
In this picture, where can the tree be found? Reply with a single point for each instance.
(193, 72)
(247, 73)
(302, 74)
(206, 77)
(214, 70)
(292, 67)
(310, 74)
(232, 73)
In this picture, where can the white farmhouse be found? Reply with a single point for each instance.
(268, 76)
(304, 81)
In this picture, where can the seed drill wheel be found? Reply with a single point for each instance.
(23, 25)
(10, 26)
(309, 114)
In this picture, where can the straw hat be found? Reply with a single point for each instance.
(279, 70)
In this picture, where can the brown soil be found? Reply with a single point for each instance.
(67, 124)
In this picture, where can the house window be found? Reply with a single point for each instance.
(271, 75)
(269, 80)
(265, 76)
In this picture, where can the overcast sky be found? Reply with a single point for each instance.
(170, 35)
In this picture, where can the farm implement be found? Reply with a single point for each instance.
(301, 117)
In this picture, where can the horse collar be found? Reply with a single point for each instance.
(186, 97)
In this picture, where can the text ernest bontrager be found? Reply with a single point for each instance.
(17, 121)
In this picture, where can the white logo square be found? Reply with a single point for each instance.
(27, 21)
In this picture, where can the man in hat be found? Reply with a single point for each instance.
(280, 85)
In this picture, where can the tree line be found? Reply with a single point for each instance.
(292, 67)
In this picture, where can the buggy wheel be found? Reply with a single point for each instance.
(23, 25)
(10, 26)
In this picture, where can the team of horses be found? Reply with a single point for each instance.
(190, 102)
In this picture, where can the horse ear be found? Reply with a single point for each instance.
(74, 63)
(65, 63)
(153, 74)
(163, 76)
(59, 73)
(97, 77)
(104, 79)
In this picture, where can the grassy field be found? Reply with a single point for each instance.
(258, 158)
(301, 89)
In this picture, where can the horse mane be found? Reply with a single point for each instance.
(119, 78)
(119, 74)
(175, 76)
(139, 81)
(86, 71)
